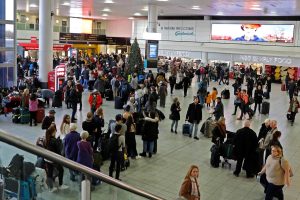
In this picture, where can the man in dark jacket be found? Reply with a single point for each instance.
(219, 109)
(48, 120)
(186, 83)
(194, 116)
(172, 81)
(292, 89)
(250, 85)
(246, 144)
(74, 96)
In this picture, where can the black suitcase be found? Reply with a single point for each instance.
(179, 85)
(186, 127)
(215, 156)
(266, 95)
(265, 108)
(57, 102)
(109, 95)
(225, 94)
(118, 103)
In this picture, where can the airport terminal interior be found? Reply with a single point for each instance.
(236, 34)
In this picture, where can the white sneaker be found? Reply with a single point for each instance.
(138, 157)
(54, 189)
(63, 187)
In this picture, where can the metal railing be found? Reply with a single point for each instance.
(60, 29)
(48, 155)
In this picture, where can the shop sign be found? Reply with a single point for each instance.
(179, 30)
(284, 61)
(169, 53)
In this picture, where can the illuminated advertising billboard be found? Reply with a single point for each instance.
(253, 32)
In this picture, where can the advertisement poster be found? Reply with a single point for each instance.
(253, 32)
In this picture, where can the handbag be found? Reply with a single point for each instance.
(171, 116)
(290, 169)
(288, 116)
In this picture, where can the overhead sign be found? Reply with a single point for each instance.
(82, 38)
(272, 60)
(177, 30)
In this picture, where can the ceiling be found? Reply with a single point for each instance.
(123, 9)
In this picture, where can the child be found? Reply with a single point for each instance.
(214, 94)
(208, 99)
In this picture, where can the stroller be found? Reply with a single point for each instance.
(227, 149)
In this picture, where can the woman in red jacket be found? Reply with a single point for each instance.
(95, 100)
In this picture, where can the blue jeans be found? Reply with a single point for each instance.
(145, 146)
(195, 130)
(85, 83)
(174, 122)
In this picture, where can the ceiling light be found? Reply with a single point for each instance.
(256, 5)
(162, 0)
(57, 21)
(66, 4)
(220, 13)
(104, 18)
(109, 1)
(27, 19)
(33, 6)
(106, 10)
(196, 8)
(145, 9)
(255, 8)
(130, 17)
(104, 15)
(137, 14)
(273, 13)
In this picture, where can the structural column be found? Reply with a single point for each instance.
(45, 41)
(2, 30)
(152, 18)
(204, 55)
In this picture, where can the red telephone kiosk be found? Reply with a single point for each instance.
(57, 77)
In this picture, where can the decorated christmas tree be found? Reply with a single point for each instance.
(135, 61)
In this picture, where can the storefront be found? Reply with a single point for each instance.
(31, 49)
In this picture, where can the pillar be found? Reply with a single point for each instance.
(45, 41)
(204, 58)
(2, 30)
(152, 18)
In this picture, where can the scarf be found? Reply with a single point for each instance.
(195, 189)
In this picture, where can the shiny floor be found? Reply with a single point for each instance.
(164, 172)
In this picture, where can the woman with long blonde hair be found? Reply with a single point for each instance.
(190, 187)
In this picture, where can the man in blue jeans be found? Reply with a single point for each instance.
(194, 116)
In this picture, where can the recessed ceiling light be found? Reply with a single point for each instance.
(104, 18)
(196, 8)
(57, 21)
(145, 8)
(27, 19)
(130, 17)
(255, 8)
(256, 5)
(220, 13)
(33, 6)
(273, 12)
(137, 14)
(109, 1)
(106, 10)
(66, 4)
(162, 0)
(104, 15)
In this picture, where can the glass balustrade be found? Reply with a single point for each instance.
(60, 29)
(31, 178)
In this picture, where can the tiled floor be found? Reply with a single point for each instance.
(163, 173)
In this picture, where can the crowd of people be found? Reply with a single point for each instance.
(104, 77)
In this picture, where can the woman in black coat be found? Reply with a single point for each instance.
(258, 97)
(150, 134)
(175, 114)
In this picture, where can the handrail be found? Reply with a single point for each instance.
(26, 146)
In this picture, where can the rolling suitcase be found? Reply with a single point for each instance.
(215, 156)
(265, 108)
(24, 116)
(57, 101)
(109, 95)
(186, 129)
(118, 103)
(40, 115)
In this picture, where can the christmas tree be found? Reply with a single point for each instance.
(135, 61)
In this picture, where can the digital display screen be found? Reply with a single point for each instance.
(153, 50)
(253, 32)
(79, 25)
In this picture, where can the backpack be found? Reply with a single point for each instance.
(40, 142)
(124, 89)
(113, 144)
(117, 83)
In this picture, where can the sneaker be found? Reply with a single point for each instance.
(54, 189)
(63, 187)
(138, 157)
(196, 138)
